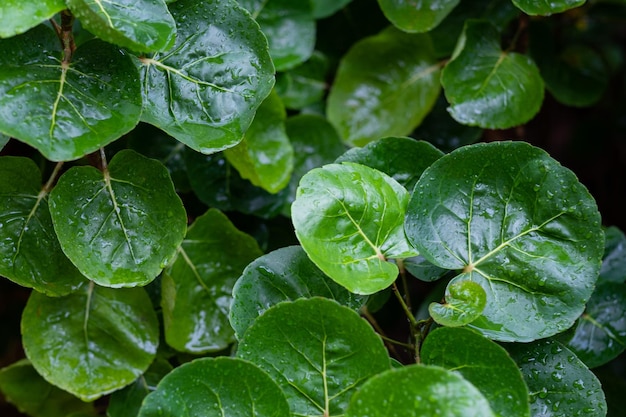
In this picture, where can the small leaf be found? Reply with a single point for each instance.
(304, 84)
(465, 302)
(349, 220)
(17, 16)
(546, 8)
(318, 351)
(488, 87)
(122, 226)
(4, 139)
(384, 86)
(93, 341)
(423, 270)
(285, 274)
(325, 8)
(614, 263)
(197, 287)
(421, 16)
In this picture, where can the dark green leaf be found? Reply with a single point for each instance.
(93, 341)
(17, 16)
(614, 262)
(120, 227)
(530, 236)
(385, 85)
(325, 8)
(4, 139)
(423, 270)
(421, 16)
(464, 303)
(305, 84)
(318, 351)
(534, 7)
(349, 219)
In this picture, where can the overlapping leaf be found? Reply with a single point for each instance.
(421, 16)
(464, 303)
(4, 139)
(325, 8)
(17, 16)
(533, 7)
(614, 262)
(304, 84)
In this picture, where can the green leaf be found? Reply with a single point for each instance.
(530, 236)
(66, 110)
(30, 254)
(4, 139)
(545, 8)
(210, 387)
(560, 385)
(614, 263)
(285, 274)
(93, 341)
(421, 16)
(384, 86)
(465, 302)
(197, 287)
(404, 159)
(141, 25)
(487, 86)
(18, 383)
(426, 391)
(483, 363)
(318, 351)
(17, 16)
(120, 227)
(265, 156)
(206, 89)
(304, 84)
(325, 8)
(423, 270)
(289, 27)
(349, 220)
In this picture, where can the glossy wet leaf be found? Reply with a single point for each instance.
(423, 270)
(325, 8)
(304, 84)
(530, 236)
(318, 351)
(30, 254)
(384, 86)
(265, 155)
(426, 391)
(93, 341)
(614, 263)
(483, 363)
(120, 227)
(489, 87)
(210, 387)
(141, 25)
(66, 111)
(464, 303)
(545, 8)
(560, 385)
(18, 383)
(285, 274)
(349, 220)
(17, 16)
(197, 287)
(411, 16)
(206, 89)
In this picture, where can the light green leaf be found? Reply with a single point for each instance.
(426, 391)
(465, 302)
(349, 220)
(545, 8)
(66, 110)
(614, 262)
(411, 16)
(318, 352)
(206, 89)
(140, 25)
(17, 16)
(530, 236)
(487, 86)
(384, 86)
(93, 341)
(197, 287)
(120, 227)
(325, 8)
(304, 84)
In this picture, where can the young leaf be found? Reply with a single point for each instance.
(534, 7)
(385, 85)
(120, 227)
(421, 16)
(325, 8)
(349, 220)
(93, 341)
(488, 87)
(530, 235)
(66, 110)
(17, 16)
(304, 84)
(614, 263)
(210, 387)
(465, 302)
(426, 391)
(318, 351)
(285, 274)
(483, 363)
(197, 287)
(206, 89)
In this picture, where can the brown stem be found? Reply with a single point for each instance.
(67, 37)
(372, 321)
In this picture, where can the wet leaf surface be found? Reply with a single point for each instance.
(18, 16)
(417, 16)
(545, 8)
(464, 303)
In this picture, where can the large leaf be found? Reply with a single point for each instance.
(614, 262)
(17, 16)
(349, 219)
(66, 110)
(318, 351)
(30, 254)
(141, 25)
(120, 227)
(211, 387)
(285, 274)
(93, 341)
(489, 87)
(411, 16)
(197, 287)
(464, 303)
(530, 236)
(325, 8)
(206, 89)
(534, 7)
(385, 85)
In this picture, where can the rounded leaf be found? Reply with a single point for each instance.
(534, 7)
(17, 16)
(614, 263)
(419, 16)
(325, 8)
(465, 302)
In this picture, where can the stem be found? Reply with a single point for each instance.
(67, 38)
(405, 283)
(404, 306)
(53, 177)
(372, 321)
(103, 161)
